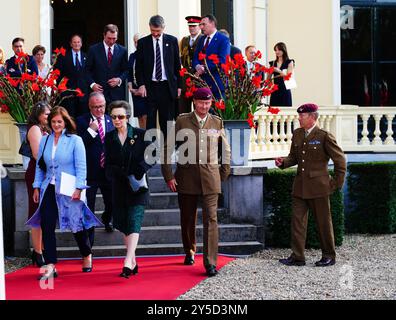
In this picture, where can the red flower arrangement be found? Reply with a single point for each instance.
(245, 90)
(19, 95)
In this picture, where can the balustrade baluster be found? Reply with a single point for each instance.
(377, 133)
(389, 140)
(365, 140)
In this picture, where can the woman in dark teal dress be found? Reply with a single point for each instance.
(282, 97)
(124, 154)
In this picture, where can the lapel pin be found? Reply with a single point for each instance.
(132, 142)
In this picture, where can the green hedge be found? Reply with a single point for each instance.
(277, 194)
(372, 198)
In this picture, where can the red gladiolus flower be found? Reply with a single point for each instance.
(242, 70)
(35, 87)
(267, 92)
(250, 120)
(214, 58)
(62, 86)
(226, 68)
(188, 94)
(21, 57)
(193, 89)
(287, 77)
(257, 81)
(273, 110)
(189, 82)
(28, 77)
(258, 55)
(79, 93)
(182, 72)
(2, 94)
(201, 56)
(61, 51)
(240, 61)
(220, 105)
(4, 108)
(13, 82)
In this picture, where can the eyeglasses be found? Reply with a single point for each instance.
(120, 116)
(98, 107)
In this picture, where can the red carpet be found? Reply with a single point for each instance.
(159, 278)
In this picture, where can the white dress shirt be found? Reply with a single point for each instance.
(161, 44)
(74, 57)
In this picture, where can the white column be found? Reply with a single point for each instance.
(240, 22)
(174, 13)
(2, 266)
(260, 27)
(132, 21)
(46, 24)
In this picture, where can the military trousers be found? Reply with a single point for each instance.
(188, 218)
(320, 208)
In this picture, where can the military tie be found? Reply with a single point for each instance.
(201, 123)
(306, 133)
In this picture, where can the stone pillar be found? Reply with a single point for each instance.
(21, 205)
(244, 197)
(174, 12)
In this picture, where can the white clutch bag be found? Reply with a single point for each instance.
(291, 83)
(138, 185)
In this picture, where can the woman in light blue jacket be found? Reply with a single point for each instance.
(62, 151)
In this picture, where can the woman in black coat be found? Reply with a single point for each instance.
(125, 161)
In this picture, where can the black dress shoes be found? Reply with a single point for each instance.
(108, 227)
(127, 272)
(292, 262)
(86, 270)
(325, 262)
(189, 260)
(211, 271)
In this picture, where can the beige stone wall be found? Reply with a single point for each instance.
(307, 29)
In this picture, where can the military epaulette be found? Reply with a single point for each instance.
(183, 115)
(217, 117)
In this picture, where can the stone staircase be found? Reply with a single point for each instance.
(160, 232)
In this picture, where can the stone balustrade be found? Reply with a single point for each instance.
(357, 129)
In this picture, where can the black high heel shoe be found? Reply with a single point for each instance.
(126, 272)
(135, 270)
(46, 276)
(37, 259)
(87, 269)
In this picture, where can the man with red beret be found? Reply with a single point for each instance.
(187, 48)
(311, 150)
(203, 162)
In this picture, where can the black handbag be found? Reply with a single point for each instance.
(41, 162)
(25, 149)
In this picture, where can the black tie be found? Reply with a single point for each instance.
(78, 64)
(206, 44)
(158, 66)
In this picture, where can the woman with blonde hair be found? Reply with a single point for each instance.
(2, 61)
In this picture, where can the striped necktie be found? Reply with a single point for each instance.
(102, 138)
(158, 65)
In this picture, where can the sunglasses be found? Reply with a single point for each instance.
(120, 116)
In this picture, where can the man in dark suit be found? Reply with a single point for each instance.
(157, 73)
(92, 128)
(14, 69)
(107, 66)
(201, 176)
(213, 43)
(72, 66)
(311, 150)
(233, 50)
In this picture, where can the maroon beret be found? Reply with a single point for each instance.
(308, 107)
(203, 94)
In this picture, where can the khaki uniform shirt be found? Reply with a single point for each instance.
(203, 155)
(312, 154)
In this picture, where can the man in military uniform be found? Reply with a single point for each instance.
(187, 48)
(311, 150)
(203, 162)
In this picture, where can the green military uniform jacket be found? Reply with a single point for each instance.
(206, 151)
(312, 155)
(187, 52)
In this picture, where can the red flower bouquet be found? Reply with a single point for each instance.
(19, 95)
(245, 88)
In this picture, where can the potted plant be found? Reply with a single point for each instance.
(245, 91)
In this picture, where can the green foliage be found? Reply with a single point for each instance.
(372, 198)
(278, 188)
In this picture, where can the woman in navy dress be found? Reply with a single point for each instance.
(139, 103)
(282, 97)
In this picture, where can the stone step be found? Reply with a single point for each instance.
(236, 248)
(171, 217)
(157, 185)
(157, 200)
(163, 235)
